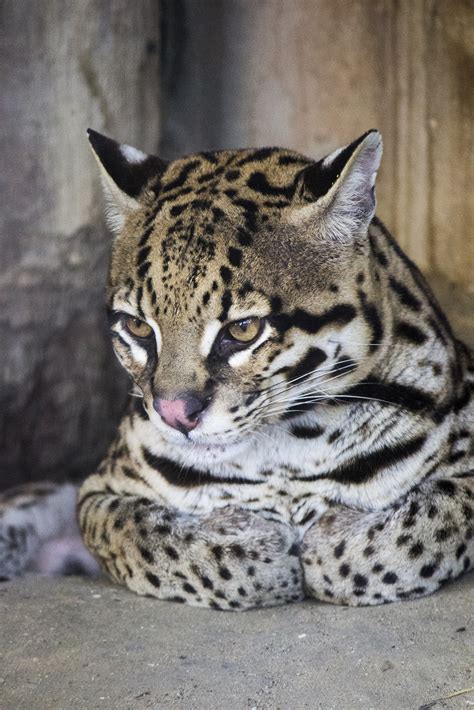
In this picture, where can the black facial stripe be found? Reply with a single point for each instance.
(307, 365)
(409, 332)
(341, 314)
(188, 476)
(261, 346)
(364, 468)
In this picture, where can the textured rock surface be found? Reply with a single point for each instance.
(67, 67)
(75, 644)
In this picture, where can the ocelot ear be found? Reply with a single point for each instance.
(338, 192)
(125, 173)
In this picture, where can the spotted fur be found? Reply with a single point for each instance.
(333, 457)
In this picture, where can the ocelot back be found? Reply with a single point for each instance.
(302, 417)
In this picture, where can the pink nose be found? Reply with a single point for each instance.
(181, 414)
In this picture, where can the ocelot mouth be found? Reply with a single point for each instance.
(209, 445)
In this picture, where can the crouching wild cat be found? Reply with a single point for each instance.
(302, 425)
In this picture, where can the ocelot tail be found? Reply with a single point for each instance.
(301, 424)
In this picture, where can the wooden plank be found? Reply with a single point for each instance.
(313, 74)
(450, 80)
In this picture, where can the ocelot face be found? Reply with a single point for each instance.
(235, 283)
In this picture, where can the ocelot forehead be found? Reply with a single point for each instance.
(264, 175)
(187, 249)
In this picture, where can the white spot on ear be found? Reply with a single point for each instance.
(345, 211)
(331, 157)
(131, 154)
(209, 336)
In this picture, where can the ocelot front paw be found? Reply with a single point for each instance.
(229, 559)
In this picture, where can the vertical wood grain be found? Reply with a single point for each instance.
(314, 74)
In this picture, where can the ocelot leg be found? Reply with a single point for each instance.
(230, 559)
(407, 551)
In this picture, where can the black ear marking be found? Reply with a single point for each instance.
(316, 179)
(130, 174)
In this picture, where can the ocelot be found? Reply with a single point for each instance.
(301, 424)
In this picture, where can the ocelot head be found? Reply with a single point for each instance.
(232, 292)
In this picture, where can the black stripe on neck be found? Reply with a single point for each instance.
(188, 476)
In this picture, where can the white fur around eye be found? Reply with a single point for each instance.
(209, 336)
(241, 357)
(139, 354)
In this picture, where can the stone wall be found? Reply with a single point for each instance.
(66, 66)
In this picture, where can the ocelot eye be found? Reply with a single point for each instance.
(137, 327)
(245, 331)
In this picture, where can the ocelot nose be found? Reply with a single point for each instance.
(183, 413)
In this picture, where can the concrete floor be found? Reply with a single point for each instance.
(72, 643)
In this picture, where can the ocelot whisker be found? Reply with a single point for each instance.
(316, 371)
(303, 395)
(312, 378)
(286, 383)
(324, 382)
